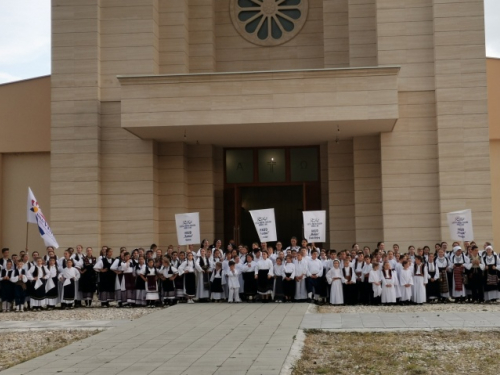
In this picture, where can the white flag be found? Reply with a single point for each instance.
(188, 228)
(35, 216)
(314, 226)
(460, 223)
(265, 224)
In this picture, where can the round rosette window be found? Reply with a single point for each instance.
(268, 22)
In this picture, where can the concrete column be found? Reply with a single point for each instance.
(341, 194)
(75, 124)
(368, 190)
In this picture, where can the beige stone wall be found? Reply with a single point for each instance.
(341, 195)
(462, 113)
(410, 180)
(234, 54)
(336, 33)
(129, 213)
(18, 171)
(367, 190)
(25, 116)
(173, 36)
(362, 32)
(202, 35)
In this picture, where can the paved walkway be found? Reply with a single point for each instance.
(186, 339)
(30, 325)
(401, 321)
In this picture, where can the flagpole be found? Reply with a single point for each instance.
(27, 228)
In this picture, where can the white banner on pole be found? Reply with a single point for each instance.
(460, 223)
(188, 228)
(314, 226)
(265, 224)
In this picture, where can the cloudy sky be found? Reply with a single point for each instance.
(25, 37)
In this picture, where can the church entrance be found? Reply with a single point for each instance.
(286, 179)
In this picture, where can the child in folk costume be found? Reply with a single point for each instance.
(358, 264)
(107, 278)
(7, 285)
(203, 269)
(68, 276)
(52, 286)
(151, 282)
(115, 268)
(289, 279)
(389, 281)
(233, 283)
(250, 284)
(457, 268)
(127, 283)
(264, 276)
(38, 275)
(406, 282)
(88, 277)
(300, 278)
(375, 279)
(20, 286)
(217, 280)
(432, 287)
(420, 277)
(187, 269)
(442, 265)
(239, 266)
(349, 284)
(179, 280)
(279, 273)
(334, 278)
(475, 269)
(491, 265)
(140, 284)
(167, 275)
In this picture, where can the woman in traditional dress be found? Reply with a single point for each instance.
(38, 275)
(250, 285)
(7, 286)
(168, 275)
(140, 283)
(375, 279)
(420, 277)
(150, 278)
(107, 278)
(442, 265)
(349, 290)
(216, 280)
(52, 286)
(68, 276)
(88, 277)
(300, 278)
(491, 264)
(202, 265)
(432, 287)
(264, 276)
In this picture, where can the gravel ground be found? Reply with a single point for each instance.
(93, 313)
(19, 347)
(413, 353)
(446, 307)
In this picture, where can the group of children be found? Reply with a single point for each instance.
(298, 273)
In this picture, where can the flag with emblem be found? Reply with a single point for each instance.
(35, 216)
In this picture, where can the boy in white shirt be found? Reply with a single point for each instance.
(233, 283)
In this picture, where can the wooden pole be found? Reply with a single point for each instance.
(27, 229)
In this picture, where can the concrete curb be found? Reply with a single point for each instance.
(294, 354)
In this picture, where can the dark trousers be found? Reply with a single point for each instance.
(312, 285)
(19, 295)
(476, 286)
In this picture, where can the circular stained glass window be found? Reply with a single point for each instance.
(268, 22)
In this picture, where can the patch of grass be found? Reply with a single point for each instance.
(412, 353)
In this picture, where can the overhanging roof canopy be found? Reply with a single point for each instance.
(261, 108)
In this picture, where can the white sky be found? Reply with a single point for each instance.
(25, 37)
